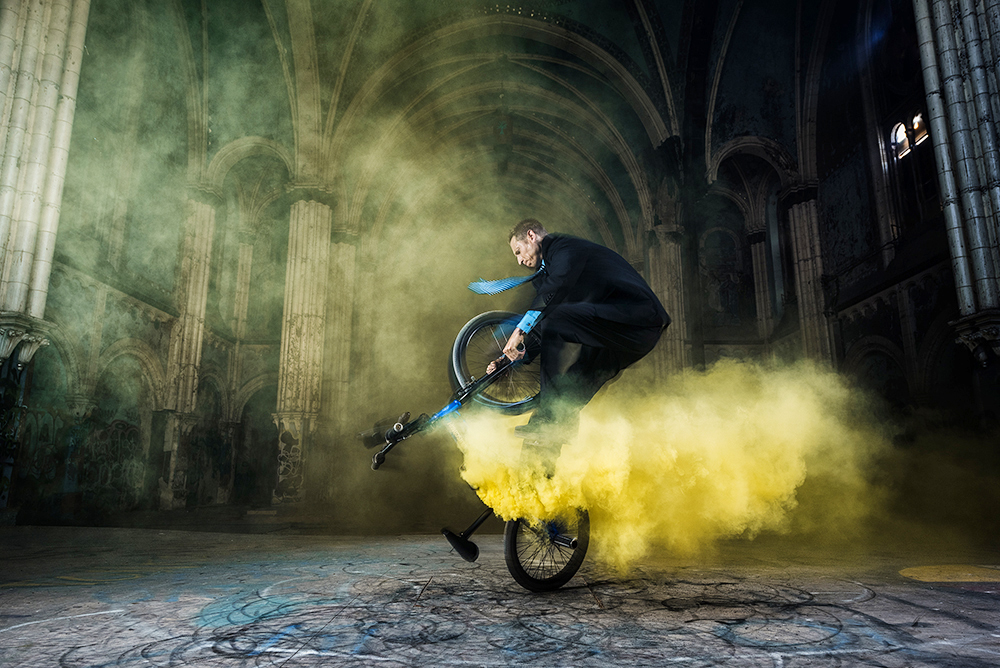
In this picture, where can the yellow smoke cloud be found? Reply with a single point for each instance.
(711, 455)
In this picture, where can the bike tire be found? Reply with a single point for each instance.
(535, 560)
(480, 342)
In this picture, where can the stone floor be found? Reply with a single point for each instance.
(88, 597)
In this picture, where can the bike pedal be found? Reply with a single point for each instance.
(463, 546)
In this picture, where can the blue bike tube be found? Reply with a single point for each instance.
(447, 410)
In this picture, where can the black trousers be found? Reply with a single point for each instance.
(580, 352)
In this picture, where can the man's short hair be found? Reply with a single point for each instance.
(521, 229)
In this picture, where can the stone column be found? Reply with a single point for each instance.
(959, 80)
(58, 158)
(241, 303)
(17, 122)
(33, 165)
(173, 480)
(231, 434)
(41, 44)
(303, 333)
(757, 238)
(187, 334)
(808, 260)
(666, 279)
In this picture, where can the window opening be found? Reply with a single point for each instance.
(914, 174)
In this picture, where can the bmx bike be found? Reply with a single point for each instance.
(542, 554)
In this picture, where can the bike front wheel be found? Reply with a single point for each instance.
(480, 342)
(545, 555)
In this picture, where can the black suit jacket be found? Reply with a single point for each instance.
(577, 270)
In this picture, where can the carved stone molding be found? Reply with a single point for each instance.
(17, 328)
(668, 233)
(186, 423)
(80, 405)
(312, 192)
(205, 193)
(294, 430)
(9, 338)
(29, 346)
(980, 333)
(295, 423)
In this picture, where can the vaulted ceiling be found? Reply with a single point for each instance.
(397, 107)
(403, 111)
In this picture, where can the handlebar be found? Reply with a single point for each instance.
(381, 433)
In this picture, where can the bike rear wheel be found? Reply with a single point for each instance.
(480, 342)
(545, 555)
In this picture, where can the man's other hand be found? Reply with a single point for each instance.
(514, 350)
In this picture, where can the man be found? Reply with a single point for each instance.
(595, 315)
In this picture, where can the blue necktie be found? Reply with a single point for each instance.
(482, 287)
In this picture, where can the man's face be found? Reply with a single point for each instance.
(527, 251)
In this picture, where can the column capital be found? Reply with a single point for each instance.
(667, 233)
(80, 405)
(979, 333)
(311, 192)
(296, 423)
(798, 193)
(24, 330)
(205, 193)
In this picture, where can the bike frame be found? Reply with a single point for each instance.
(404, 428)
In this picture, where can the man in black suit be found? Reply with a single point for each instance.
(595, 314)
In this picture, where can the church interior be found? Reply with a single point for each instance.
(236, 233)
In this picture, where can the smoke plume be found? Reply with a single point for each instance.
(712, 455)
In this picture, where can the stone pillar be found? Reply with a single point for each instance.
(231, 433)
(41, 168)
(41, 43)
(187, 336)
(173, 480)
(757, 239)
(58, 158)
(808, 260)
(241, 303)
(667, 280)
(959, 79)
(303, 333)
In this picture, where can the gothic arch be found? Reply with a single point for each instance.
(809, 107)
(67, 351)
(518, 26)
(250, 388)
(217, 379)
(767, 149)
(245, 147)
(938, 341)
(148, 361)
(867, 349)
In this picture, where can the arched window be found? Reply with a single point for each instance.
(914, 173)
(905, 137)
(900, 142)
(919, 129)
